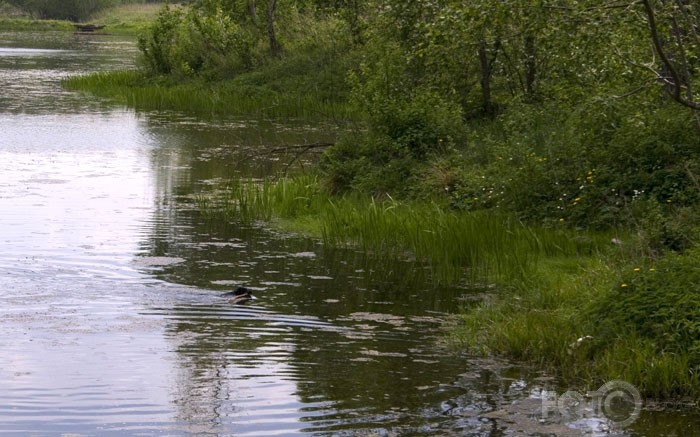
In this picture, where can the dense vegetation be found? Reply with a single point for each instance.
(571, 117)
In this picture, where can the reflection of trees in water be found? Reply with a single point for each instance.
(334, 371)
(202, 394)
(217, 150)
(234, 371)
(354, 363)
(32, 68)
(310, 339)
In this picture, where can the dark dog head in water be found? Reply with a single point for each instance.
(240, 295)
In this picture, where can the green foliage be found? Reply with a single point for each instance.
(659, 302)
(196, 42)
(406, 125)
(577, 318)
(578, 138)
(657, 375)
(158, 44)
(479, 245)
(586, 166)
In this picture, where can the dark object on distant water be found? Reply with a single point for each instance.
(240, 295)
(88, 27)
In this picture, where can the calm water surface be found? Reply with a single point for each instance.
(111, 320)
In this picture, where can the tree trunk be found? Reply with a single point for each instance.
(530, 66)
(678, 87)
(486, 68)
(253, 12)
(275, 47)
(355, 26)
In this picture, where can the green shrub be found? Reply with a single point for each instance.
(406, 126)
(159, 43)
(196, 42)
(658, 302)
(591, 166)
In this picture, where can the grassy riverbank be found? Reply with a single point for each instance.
(127, 19)
(130, 19)
(309, 81)
(23, 23)
(281, 96)
(478, 246)
(586, 306)
(576, 194)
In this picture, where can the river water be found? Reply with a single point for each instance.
(111, 319)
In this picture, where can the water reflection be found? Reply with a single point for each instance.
(111, 319)
(32, 66)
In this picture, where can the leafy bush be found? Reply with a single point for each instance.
(591, 166)
(659, 302)
(406, 125)
(199, 42)
(159, 43)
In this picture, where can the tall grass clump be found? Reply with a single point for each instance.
(249, 201)
(455, 246)
(451, 244)
(137, 90)
(477, 245)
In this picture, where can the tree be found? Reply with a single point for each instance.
(673, 27)
(275, 47)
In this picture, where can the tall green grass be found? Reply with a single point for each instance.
(135, 90)
(455, 246)
(477, 245)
